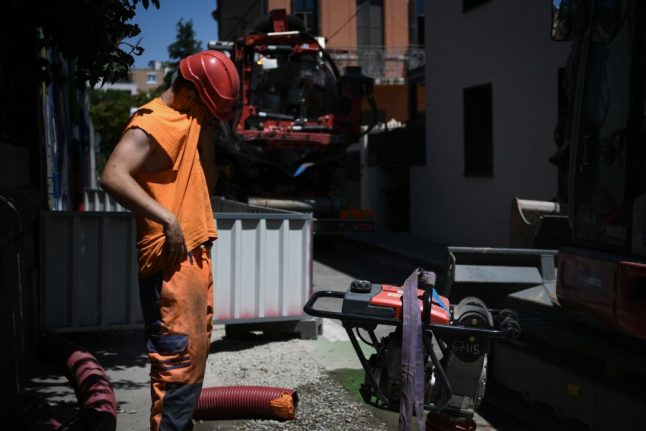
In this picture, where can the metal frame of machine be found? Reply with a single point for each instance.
(462, 333)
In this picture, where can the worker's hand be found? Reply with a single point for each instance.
(175, 243)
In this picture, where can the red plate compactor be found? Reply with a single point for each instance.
(434, 356)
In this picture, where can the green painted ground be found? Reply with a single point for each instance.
(351, 380)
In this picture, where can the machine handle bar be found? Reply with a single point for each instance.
(358, 318)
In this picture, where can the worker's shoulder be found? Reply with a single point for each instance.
(147, 111)
(136, 136)
(147, 119)
(136, 133)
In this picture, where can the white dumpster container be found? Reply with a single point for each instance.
(262, 263)
(262, 267)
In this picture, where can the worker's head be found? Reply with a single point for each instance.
(215, 80)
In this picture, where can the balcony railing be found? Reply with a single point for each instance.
(385, 65)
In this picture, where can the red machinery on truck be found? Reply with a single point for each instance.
(287, 145)
(580, 296)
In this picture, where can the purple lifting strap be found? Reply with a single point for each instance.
(412, 384)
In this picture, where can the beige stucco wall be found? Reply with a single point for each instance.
(333, 18)
(396, 23)
(280, 4)
(506, 43)
(140, 79)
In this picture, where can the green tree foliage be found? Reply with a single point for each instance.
(90, 32)
(110, 110)
(184, 45)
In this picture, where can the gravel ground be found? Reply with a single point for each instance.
(254, 360)
(323, 403)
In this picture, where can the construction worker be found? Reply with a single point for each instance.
(163, 169)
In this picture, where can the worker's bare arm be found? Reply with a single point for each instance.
(132, 153)
(117, 179)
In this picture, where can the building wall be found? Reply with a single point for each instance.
(140, 78)
(280, 4)
(339, 23)
(505, 43)
(392, 100)
(233, 16)
(130, 87)
(396, 23)
(336, 25)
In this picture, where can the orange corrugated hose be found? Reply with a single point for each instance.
(246, 402)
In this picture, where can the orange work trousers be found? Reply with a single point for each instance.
(178, 313)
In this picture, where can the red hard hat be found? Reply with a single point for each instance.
(216, 79)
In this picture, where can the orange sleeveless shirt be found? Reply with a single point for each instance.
(181, 189)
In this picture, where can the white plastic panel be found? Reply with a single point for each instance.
(261, 268)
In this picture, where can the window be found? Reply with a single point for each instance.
(467, 5)
(562, 94)
(417, 22)
(151, 78)
(370, 23)
(370, 37)
(478, 131)
(307, 11)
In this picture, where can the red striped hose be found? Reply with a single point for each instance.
(94, 391)
(229, 402)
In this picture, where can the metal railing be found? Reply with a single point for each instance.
(99, 200)
(384, 64)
